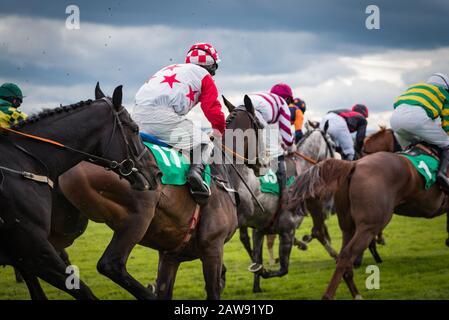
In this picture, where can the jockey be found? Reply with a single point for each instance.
(297, 110)
(272, 109)
(422, 113)
(164, 100)
(341, 123)
(10, 100)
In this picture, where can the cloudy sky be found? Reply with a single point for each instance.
(320, 47)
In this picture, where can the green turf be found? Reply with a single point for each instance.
(416, 266)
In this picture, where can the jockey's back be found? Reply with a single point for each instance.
(177, 86)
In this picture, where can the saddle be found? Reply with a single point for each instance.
(423, 148)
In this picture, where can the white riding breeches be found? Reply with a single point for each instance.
(171, 128)
(411, 124)
(339, 132)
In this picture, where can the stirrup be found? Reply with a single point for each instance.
(200, 196)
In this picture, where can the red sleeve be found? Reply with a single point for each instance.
(210, 104)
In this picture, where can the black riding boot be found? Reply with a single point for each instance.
(442, 179)
(281, 175)
(199, 190)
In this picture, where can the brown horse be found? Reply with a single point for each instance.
(160, 219)
(367, 192)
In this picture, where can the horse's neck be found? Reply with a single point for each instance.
(80, 129)
(314, 147)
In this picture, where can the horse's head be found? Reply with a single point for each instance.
(382, 140)
(124, 142)
(243, 137)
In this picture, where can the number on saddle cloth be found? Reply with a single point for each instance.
(424, 158)
(269, 183)
(173, 165)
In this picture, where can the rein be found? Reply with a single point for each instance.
(308, 159)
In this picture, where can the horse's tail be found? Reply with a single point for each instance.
(320, 180)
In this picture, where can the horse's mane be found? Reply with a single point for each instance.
(46, 113)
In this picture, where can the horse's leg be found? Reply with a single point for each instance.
(34, 287)
(257, 258)
(319, 229)
(244, 238)
(373, 249)
(18, 276)
(347, 234)
(65, 257)
(30, 251)
(285, 248)
(300, 244)
(358, 244)
(381, 240)
(166, 275)
(223, 278)
(212, 259)
(358, 260)
(270, 244)
(112, 264)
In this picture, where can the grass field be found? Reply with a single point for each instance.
(416, 266)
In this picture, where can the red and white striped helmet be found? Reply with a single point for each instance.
(203, 54)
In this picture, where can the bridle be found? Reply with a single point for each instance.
(255, 126)
(127, 166)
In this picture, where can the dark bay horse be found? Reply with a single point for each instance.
(159, 219)
(100, 131)
(314, 146)
(367, 192)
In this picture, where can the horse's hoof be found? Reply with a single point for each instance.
(358, 297)
(381, 241)
(257, 290)
(447, 242)
(302, 246)
(307, 238)
(255, 267)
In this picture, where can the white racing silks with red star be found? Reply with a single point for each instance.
(181, 87)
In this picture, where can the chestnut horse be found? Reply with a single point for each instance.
(366, 193)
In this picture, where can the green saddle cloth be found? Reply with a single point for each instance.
(269, 183)
(173, 165)
(426, 165)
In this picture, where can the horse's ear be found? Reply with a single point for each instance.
(117, 97)
(228, 104)
(248, 104)
(98, 93)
